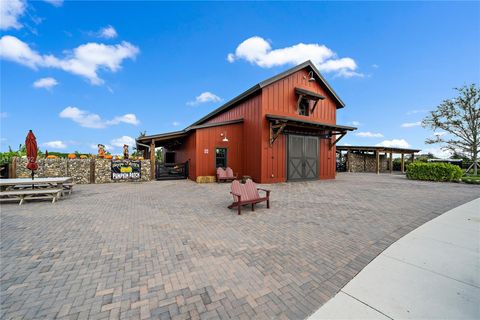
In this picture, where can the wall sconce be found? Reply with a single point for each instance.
(224, 135)
(310, 76)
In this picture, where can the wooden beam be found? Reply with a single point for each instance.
(377, 162)
(391, 162)
(152, 160)
(314, 106)
(275, 133)
(402, 163)
(332, 144)
(300, 96)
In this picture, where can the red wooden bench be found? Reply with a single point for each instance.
(225, 175)
(247, 194)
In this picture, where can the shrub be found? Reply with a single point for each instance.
(434, 171)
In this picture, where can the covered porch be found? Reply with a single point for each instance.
(180, 149)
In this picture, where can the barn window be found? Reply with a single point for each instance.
(304, 107)
(221, 157)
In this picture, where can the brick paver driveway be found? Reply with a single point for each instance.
(172, 250)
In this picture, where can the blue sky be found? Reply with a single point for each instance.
(82, 73)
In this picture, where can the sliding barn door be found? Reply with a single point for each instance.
(302, 157)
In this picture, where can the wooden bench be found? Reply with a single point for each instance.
(67, 187)
(247, 194)
(22, 195)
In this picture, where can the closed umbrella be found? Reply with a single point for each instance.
(32, 150)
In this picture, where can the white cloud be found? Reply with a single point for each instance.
(440, 133)
(108, 32)
(438, 152)
(119, 142)
(85, 60)
(257, 50)
(411, 124)
(175, 123)
(93, 120)
(129, 118)
(10, 12)
(56, 144)
(394, 143)
(203, 98)
(46, 83)
(368, 134)
(376, 66)
(55, 3)
(356, 123)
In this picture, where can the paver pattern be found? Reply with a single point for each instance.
(172, 250)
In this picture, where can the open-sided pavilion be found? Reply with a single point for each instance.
(376, 151)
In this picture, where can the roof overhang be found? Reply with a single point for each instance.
(309, 94)
(165, 137)
(304, 123)
(256, 88)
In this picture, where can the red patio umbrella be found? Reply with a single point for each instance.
(32, 150)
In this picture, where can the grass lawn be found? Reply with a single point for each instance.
(471, 179)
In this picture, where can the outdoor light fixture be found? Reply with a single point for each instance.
(310, 74)
(224, 135)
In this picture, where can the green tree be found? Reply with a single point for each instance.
(459, 117)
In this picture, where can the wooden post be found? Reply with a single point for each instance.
(377, 155)
(13, 168)
(364, 162)
(349, 162)
(413, 157)
(402, 163)
(152, 160)
(391, 162)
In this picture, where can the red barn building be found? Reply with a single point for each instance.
(282, 129)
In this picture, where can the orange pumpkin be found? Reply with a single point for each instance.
(83, 156)
(72, 156)
(140, 158)
(52, 157)
(108, 156)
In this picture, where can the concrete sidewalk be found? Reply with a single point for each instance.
(432, 272)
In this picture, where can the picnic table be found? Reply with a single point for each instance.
(38, 188)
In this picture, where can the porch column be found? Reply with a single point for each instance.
(402, 163)
(413, 157)
(152, 160)
(349, 162)
(377, 162)
(391, 162)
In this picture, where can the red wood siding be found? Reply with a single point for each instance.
(209, 139)
(279, 98)
(250, 111)
(187, 153)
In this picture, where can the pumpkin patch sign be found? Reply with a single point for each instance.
(126, 170)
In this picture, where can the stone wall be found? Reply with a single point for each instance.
(357, 162)
(79, 169)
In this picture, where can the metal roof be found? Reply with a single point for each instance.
(293, 120)
(377, 148)
(264, 83)
(184, 132)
